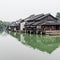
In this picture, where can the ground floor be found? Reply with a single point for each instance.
(43, 29)
(13, 28)
(50, 27)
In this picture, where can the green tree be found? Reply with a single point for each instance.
(58, 15)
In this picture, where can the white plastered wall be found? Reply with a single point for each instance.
(22, 26)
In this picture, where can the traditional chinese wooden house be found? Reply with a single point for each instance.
(30, 21)
(16, 26)
(13, 26)
(24, 22)
(42, 24)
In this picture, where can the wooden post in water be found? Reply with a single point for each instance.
(30, 31)
(19, 27)
(37, 32)
(25, 30)
(41, 32)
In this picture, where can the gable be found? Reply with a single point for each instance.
(50, 17)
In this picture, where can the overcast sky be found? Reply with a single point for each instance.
(12, 10)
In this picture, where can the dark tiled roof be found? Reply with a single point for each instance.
(20, 20)
(33, 17)
(29, 23)
(16, 23)
(13, 24)
(46, 16)
(51, 23)
(36, 23)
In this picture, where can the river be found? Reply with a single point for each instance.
(22, 46)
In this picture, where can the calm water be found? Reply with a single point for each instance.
(18, 46)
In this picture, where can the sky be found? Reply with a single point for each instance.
(12, 10)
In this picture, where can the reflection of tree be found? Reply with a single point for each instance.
(42, 43)
(1, 31)
(15, 34)
(50, 39)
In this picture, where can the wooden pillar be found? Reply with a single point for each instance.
(30, 31)
(36, 32)
(25, 30)
(19, 27)
(41, 32)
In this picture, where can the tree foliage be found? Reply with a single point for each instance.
(58, 15)
(3, 25)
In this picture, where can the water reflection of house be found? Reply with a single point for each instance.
(43, 43)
